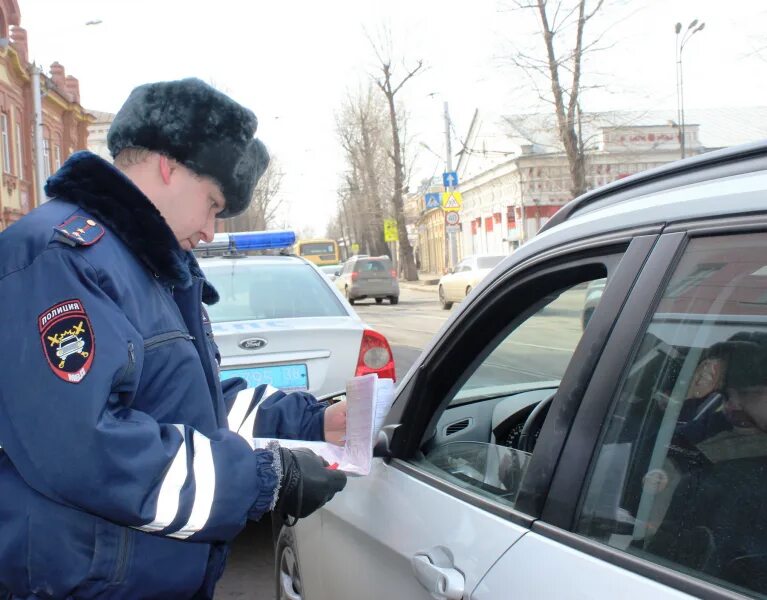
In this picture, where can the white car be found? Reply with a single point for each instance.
(281, 321)
(331, 271)
(529, 457)
(458, 283)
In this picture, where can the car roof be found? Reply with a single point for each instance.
(728, 162)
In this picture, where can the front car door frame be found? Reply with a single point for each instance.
(427, 389)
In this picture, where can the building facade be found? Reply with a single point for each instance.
(97, 133)
(63, 123)
(513, 175)
(507, 205)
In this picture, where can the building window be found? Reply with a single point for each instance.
(57, 157)
(19, 150)
(6, 143)
(46, 158)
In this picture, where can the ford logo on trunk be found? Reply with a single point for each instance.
(252, 344)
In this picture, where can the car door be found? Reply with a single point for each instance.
(660, 492)
(342, 281)
(434, 515)
(453, 284)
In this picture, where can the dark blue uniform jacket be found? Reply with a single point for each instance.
(119, 475)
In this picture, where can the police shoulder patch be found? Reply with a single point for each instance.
(79, 231)
(68, 341)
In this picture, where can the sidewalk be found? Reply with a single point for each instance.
(426, 282)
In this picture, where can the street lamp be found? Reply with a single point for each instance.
(693, 28)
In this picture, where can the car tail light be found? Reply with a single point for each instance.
(354, 275)
(393, 274)
(375, 356)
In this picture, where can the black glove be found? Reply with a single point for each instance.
(307, 483)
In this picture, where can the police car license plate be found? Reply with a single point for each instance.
(283, 377)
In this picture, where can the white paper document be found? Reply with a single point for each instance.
(368, 400)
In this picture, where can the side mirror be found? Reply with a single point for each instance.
(382, 446)
(337, 274)
(448, 271)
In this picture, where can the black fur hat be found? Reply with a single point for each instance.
(201, 128)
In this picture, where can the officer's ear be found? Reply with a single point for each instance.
(167, 166)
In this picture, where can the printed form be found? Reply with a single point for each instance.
(368, 400)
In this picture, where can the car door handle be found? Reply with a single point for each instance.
(435, 571)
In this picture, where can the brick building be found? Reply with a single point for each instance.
(63, 125)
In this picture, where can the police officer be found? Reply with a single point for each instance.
(126, 467)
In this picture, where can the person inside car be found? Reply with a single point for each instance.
(717, 520)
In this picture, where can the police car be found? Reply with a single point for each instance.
(532, 453)
(280, 321)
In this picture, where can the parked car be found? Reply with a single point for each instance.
(280, 321)
(331, 271)
(455, 285)
(368, 277)
(528, 456)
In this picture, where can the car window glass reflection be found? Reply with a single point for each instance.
(522, 372)
(681, 471)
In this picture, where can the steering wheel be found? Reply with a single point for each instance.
(533, 423)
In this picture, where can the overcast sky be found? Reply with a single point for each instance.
(293, 62)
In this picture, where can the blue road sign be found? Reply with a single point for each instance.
(450, 179)
(433, 200)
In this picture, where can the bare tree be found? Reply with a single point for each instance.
(387, 84)
(362, 129)
(265, 202)
(562, 69)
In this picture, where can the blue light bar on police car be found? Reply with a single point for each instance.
(249, 240)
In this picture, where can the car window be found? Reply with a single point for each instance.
(251, 291)
(536, 351)
(680, 474)
(370, 266)
(316, 248)
(527, 361)
(488, 262)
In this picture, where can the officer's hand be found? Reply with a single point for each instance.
(307, 483)
(335, 423)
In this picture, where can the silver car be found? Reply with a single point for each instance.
(368, 277)
(527, 456)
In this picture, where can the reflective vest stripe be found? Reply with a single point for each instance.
(205, 487)
(246, 429)
(170, 492)
(239, 409)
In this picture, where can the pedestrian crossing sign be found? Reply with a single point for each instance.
(452, 201)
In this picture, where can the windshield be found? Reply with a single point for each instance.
(488, 262)
(251, 291)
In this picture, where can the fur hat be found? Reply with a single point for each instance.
(746, 357)
(201, 128)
